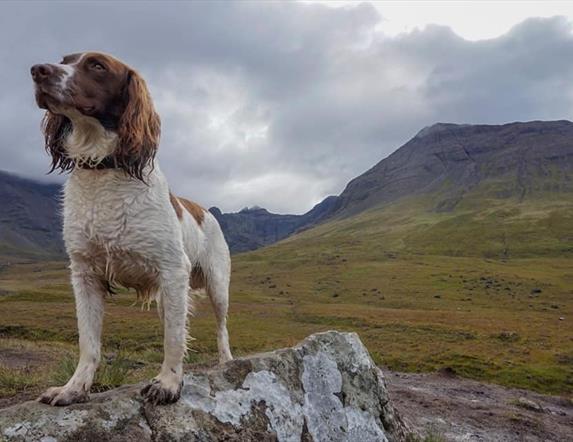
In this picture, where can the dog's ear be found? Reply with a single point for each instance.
(55, 128)
(139, 128)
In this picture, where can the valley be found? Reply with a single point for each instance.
(470, 273)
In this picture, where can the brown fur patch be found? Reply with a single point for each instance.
(197, 280)
(194, 209)
(176, 206)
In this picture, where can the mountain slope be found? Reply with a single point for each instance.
(484, 290)
(29, 218)
(516, 159)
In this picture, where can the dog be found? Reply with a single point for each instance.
(122, 225)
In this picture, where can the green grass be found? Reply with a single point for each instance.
(480, 290)
(14, 381)
(112, 373)
(430, 436)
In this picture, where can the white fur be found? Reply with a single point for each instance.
(89, 143)
(124, 231)
(68, 72)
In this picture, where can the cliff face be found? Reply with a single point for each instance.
(324, 389)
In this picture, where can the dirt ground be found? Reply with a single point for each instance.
(455, 409)
(17, 358)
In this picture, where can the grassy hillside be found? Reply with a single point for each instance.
(481, 290)
(486, 290)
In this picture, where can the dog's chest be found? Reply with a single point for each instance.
(125, 229)
(104, 211)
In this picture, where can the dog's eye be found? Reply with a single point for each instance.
(97, 66)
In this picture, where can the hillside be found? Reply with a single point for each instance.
(445, 167)
(30, 224)
(485, 290)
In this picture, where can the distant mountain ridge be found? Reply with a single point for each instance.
(443, 161)
(252, 228)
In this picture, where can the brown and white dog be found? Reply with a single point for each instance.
(122, 226)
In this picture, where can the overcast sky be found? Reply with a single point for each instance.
(279, 104)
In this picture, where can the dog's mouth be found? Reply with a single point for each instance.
(54, 100)
(46, 97)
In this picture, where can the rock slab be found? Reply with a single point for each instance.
(327, 388)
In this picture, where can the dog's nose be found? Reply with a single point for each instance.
(41, 71)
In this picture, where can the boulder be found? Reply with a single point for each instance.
(327, 388)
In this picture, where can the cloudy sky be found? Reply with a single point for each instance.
(279, 104)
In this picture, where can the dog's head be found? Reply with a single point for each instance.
(95, 90)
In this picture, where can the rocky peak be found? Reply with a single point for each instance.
(438, 128)
(254, 209)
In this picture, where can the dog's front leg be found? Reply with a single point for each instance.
(89, 293)
(166, 387)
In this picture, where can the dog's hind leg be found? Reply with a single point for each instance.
(218, 291)
(220, 302)
(165, 388)
(89, 292)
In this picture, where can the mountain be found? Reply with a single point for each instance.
(516, 159)
(445, 163)
(490, 190)
(252, 228)
(30, 223)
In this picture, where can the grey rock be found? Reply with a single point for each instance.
(529, 405)
(327, 388)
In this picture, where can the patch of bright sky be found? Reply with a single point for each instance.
(472, 20)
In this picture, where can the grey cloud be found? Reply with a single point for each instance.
(279, 104)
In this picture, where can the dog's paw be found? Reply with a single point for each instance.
(158, 392)
(60, 396)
